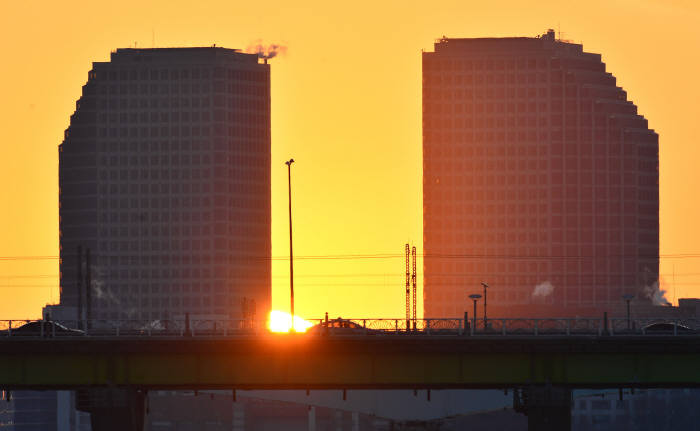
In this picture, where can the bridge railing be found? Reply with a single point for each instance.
(478, 326)
(649, 326)
(131, 327)
(360, 326)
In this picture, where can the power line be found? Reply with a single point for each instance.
(30, 276)
(393, 256)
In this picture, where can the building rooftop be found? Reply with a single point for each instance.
(446, 44)
(182, 54)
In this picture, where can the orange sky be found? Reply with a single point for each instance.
(346, 104)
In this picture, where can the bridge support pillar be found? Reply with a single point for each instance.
(547, 408)
(113, 409)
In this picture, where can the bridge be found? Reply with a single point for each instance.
(298, 361)
(357, 357)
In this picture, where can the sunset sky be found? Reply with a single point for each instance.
(346, 105)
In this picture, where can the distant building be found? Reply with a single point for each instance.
(217, 410)
(42, 411)
(539, 177)
(645, 410)
(164, 176)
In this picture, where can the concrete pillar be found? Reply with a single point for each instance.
(312, 418)
(338, 420)
(113, 409)
(238, 417)
(63, 410)
(549, 409)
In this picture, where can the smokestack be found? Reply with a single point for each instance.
(88, 289)
(79, 286)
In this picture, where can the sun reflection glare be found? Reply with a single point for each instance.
(281, 321)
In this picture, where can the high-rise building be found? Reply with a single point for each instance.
(540, 178)
(164, 177)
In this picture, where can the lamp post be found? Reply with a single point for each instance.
(485, 286)
(291, 254)
(475, 297)
(628, 297)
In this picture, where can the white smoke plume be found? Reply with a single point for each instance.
(266, 51)
(98, 287)
(655, 294)
(104, 294)
(543, 290)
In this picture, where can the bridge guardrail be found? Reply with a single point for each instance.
(341, 326)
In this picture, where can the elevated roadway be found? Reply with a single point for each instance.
(298, 361)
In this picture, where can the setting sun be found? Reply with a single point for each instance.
(282, 322)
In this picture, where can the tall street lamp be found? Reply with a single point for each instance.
(628, 297)
(475, 297)
(485, 286)
(291, 254)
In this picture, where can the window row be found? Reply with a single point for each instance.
(180, 73)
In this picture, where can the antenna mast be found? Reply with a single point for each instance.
(413, 282)
(408, 288)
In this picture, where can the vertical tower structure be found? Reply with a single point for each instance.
(164, 174)
(537, 171)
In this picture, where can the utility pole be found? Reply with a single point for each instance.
(291, 254)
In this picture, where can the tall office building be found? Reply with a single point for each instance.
(540, 178)
(164, 176)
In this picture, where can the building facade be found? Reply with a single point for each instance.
(540, 178)
(164, 175)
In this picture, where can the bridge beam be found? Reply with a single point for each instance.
(363, 362)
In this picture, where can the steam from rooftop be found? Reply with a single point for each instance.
(266, 51)
(655, 294)
(543, 290)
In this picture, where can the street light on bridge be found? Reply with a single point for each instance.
(475, 297)
(291, 255)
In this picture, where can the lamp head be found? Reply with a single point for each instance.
(289, 162)
(475, 296)
(484, 284)
(627, 296)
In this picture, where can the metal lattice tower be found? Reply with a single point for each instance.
(408, 288)
(413, 283)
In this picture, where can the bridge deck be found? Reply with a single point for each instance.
(352, 362)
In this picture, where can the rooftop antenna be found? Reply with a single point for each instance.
(408, 288)
(413, 283)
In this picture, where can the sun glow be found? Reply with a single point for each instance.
(281, 321)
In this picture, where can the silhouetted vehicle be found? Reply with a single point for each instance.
(667, 328)
(34, 329)
(340, 327)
